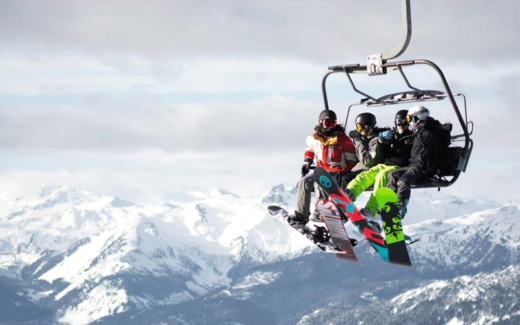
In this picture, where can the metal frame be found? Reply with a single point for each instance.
(375, 62)
(407, 33)
(378, 64)
(415, 95)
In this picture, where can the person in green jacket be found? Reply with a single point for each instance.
(397, 146)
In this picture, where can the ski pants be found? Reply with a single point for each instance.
(376, 176)
(401, 180)
(306, 186)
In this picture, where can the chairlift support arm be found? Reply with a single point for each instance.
(407, 33)
(376, 62)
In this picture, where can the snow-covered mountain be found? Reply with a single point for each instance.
(75, 257)
(478, 240)
(486, 298)
(90, 256)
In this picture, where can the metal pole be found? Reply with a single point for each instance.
(407, 33)
(375, 62)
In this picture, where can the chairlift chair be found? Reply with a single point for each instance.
(449, 169)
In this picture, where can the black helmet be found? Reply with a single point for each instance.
(365, 119)
(400, 118)
(328, 120)
(328, 115)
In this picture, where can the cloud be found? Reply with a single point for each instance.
(62, 74)
(145, 176)
(155, 92)
(101, 122)
(328, 32)
(175, 29)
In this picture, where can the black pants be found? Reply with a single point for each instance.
(343, 179)
(402, 179)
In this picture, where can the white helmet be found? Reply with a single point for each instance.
(417, 113)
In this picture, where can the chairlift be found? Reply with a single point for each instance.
(448, 170)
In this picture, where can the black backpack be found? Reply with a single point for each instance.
(444, 165)
(444, 135)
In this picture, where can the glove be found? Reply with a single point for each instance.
(354, 135)
(387, 135)
(306, 166)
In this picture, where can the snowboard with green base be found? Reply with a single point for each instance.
(395, 238)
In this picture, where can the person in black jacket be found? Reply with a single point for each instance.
(423, 155)
(396, 146)
(397, 142)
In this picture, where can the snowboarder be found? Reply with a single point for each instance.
(333, 150)
(423, 155)
(397, 147)
(368, 149)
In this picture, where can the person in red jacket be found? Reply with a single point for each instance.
(334, 151)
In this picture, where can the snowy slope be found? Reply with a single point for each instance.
(471, 240)
(426, 204)
(88, 256)
(86, 247)
(320, 289)
(486, 298)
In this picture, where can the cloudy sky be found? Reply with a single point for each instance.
(149, 100)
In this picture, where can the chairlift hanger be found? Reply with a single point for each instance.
(378, 64)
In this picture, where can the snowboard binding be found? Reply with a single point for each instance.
(320, 234)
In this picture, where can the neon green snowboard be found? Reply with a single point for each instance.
(395, 239)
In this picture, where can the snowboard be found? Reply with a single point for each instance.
(338, 234)
(341, 200)
(342, 249)
(395, 238)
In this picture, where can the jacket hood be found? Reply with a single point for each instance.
(432, 123)
(429, 124)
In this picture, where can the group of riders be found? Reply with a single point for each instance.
(396, 157)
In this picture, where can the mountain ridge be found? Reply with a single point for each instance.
(90, 257)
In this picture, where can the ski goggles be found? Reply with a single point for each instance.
(411, 119)
(329, 123)
(401, 121)
(360, 126)
(415, 116)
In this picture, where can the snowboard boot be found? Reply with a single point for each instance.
(349, 194)
(297, 219)
(370, 216)
(375, 225)
(403, 209)
(316, 217)
(367, 213)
